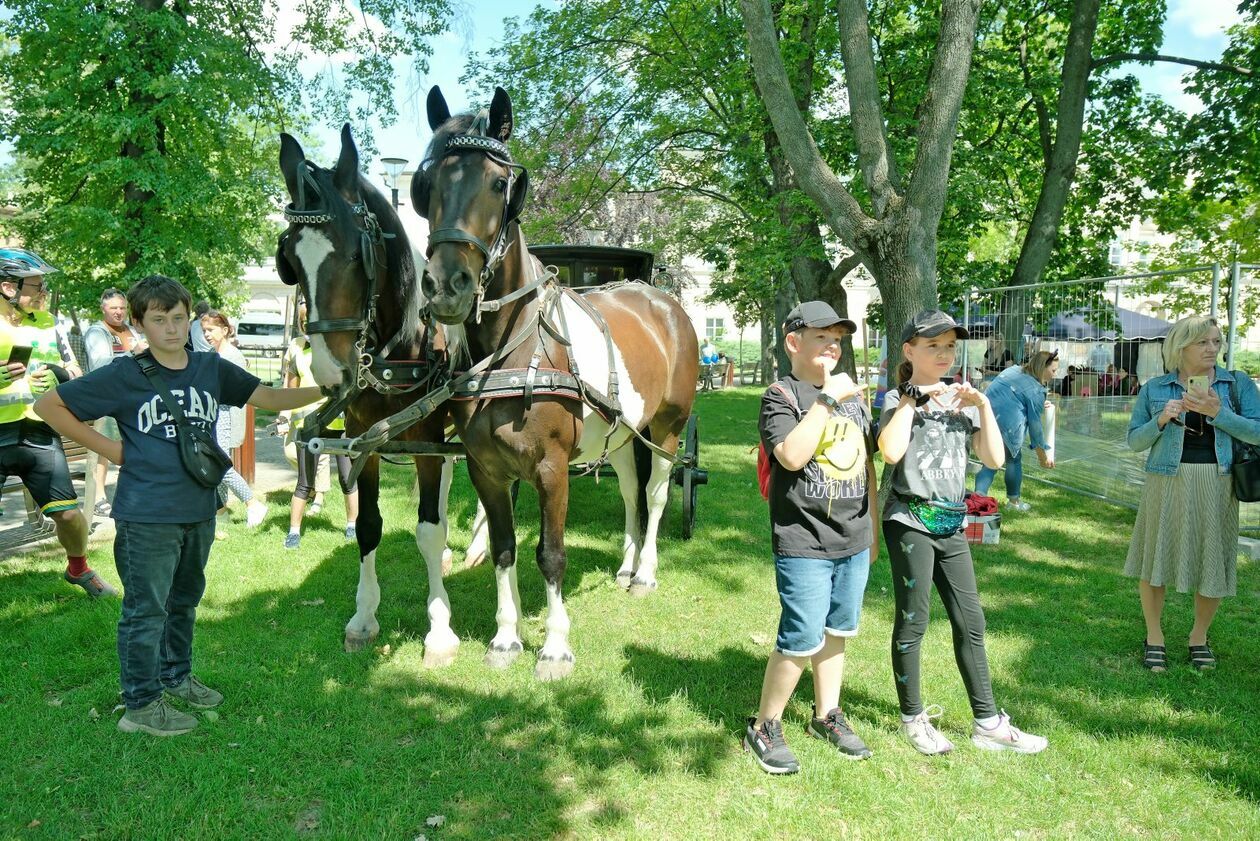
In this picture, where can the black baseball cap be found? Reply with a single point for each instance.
(931, 323)
(815, 314)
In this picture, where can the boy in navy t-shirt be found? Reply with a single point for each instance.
(165, 519)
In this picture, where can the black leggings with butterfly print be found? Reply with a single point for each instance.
(918, 561)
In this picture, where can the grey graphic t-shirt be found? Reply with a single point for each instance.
(935, 464)
(153, 486)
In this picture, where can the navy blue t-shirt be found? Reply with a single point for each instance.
(153, 486)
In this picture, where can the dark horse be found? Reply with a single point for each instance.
(632, 348)
(346, 248)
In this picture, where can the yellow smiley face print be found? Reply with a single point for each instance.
(841, 454)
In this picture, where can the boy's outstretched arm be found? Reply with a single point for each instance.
(62, 420)
(278, 399)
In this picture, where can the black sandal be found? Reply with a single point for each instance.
(1154, 657)
(1202, 658)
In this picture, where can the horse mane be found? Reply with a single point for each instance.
(458, 124)
(398, 261)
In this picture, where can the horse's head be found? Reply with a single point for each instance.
(470, 191)
(332, 250)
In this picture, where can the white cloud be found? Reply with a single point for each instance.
(1204, 18)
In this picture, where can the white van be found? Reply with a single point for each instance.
(260, 329)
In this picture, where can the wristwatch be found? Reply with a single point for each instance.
(828, 401)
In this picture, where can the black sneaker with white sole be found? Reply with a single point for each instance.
(835, 728)
(769, 748)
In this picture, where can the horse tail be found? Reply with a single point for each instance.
(643, 472)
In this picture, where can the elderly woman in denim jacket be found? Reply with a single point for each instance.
(1018, 396)
(1186, 532)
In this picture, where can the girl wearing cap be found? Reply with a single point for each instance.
(924, 430)
(1018, 397)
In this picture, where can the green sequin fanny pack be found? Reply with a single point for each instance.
(943, 518)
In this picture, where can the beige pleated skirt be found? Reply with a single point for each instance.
(1186, 534)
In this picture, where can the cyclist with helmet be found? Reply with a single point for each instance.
(33, 357)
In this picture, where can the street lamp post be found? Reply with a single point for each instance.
(393, 171)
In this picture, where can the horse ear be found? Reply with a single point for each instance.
(438, 110)
(501, 115)
(346, 175)
(291, 157)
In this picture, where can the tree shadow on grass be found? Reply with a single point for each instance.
(1063, 596)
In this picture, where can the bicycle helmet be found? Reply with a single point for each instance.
(19, 263)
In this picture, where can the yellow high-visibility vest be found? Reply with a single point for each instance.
(38, 331)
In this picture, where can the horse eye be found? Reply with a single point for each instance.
(500, 184)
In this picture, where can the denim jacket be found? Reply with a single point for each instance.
(1018, 401)
(1241, 422)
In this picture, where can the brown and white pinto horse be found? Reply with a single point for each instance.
(344, 246)
(472, 193)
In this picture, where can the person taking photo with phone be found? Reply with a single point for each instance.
(1186, 533)
(35, 359)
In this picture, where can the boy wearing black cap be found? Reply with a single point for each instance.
(823, 527)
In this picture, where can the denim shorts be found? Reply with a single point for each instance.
(819, 596)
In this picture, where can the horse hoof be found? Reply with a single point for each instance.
(548, 670)
(624, 579)
(641, 588)
(356, 641)
(448, 561)
(437, 658)
(501, 658)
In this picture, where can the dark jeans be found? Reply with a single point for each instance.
(163, 572)
(918, 561)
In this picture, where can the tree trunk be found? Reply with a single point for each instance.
(784, 299)
(1060, 172)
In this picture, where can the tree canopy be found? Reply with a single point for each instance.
(145, 130)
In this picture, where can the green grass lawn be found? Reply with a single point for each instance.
(642, 740)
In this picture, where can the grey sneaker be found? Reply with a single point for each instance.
(195, 693)
(1007, 736)
(769, 748)
(351, 534)
(158, 718)
(292, 541)
(835, 728)
(92, 584)
(921, 733)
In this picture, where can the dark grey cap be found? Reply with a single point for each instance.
(815, 314)
(931, 323)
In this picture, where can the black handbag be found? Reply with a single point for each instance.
(1246, 466)
(200, 454)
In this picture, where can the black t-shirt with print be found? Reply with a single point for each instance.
(822, 510)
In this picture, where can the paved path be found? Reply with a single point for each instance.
(272, 471)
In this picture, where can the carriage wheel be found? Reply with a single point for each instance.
(691, 477)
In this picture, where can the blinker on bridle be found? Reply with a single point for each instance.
(370, 237)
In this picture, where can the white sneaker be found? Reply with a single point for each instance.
(1007, 736)
(920, 732)
(1019, 506)
(255, 513)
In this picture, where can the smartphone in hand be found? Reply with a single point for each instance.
(20, 355)
(1204, 383)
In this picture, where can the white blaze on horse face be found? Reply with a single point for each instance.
(590, 348)
(312, 249)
